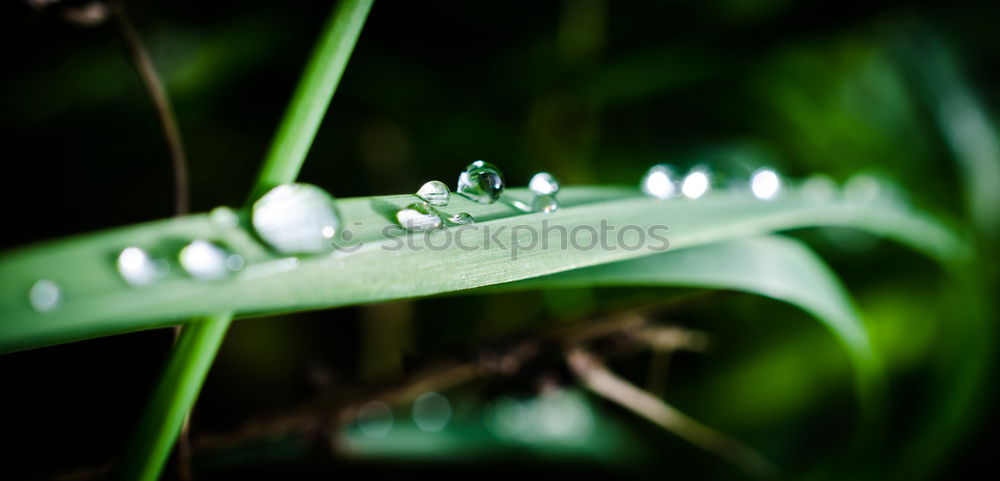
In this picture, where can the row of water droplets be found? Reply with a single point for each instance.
(481, 182)
(662, 182)
(297, 218)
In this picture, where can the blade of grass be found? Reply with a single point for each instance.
(98, 302)
(173, 397)
(312, 96)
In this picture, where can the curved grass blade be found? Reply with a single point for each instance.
(378, 267)
(776, 267)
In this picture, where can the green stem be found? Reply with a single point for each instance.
(312, 96)
(176, 392)
(199, 341)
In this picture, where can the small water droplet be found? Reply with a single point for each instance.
(431, 412)
(375, 419)
(204, 261)
(461, 218)
(696, 183)
(137, 267)
(818, 188)
(765, 184)
(545, 203)
(543, 183)
(224, 217)
(862, 188)
(419, 217)
(481, 182)
(45, 295)
(235, 262)
(659, 182)
(434, 192)
(296, 218)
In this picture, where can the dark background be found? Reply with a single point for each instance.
(592, 91)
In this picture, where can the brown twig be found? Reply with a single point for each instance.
(599, 379)
(154, 87)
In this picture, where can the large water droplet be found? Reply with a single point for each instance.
(461, 218)
(543, 183)
(696, 183)
(137, 267)
(375, 419)
(419, 217)
(481, 182)
(45, 295)
(296, 218)
(545, 203)
(659, 182)
(862, 188)
(434, 192)
(431, 412)
(205, 261)
(765, 184)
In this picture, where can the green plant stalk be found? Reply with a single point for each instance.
(200, 339)
(173, 397)
(312, 96)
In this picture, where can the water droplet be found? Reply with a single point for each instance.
(564, 415)
(545, 203)
(419, 217)
(235, 262)
(862, 188)
(137, 267)
(296, 218)
(375, 419)
(434, 192)
(481, 182)
(696, 183)
(818, 188)
(45, 295)
(765, 184)
(461, 218)
(431, 412)
(506, 417)
(224, 217)
(205, 261)
(659, 182)
(543, 183)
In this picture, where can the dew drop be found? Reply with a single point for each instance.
(296, 218)
(481, 182)
(659, 182)
(137, 267)
(545, 203)
(418, 217)
(818, 188)
(375, 419)
(543, 183)
(434, 192)
(235, 262)
(224, 217)
(765, 184)
(45, 295)
(696, 183)
(431, 412)
(862, 188)
(461, 218)
(205, 261)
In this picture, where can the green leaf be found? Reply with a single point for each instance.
(96, 302)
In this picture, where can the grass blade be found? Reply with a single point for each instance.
(97, 301)
(173, 397)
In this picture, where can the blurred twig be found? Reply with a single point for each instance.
(154, 87)
(599, 379)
